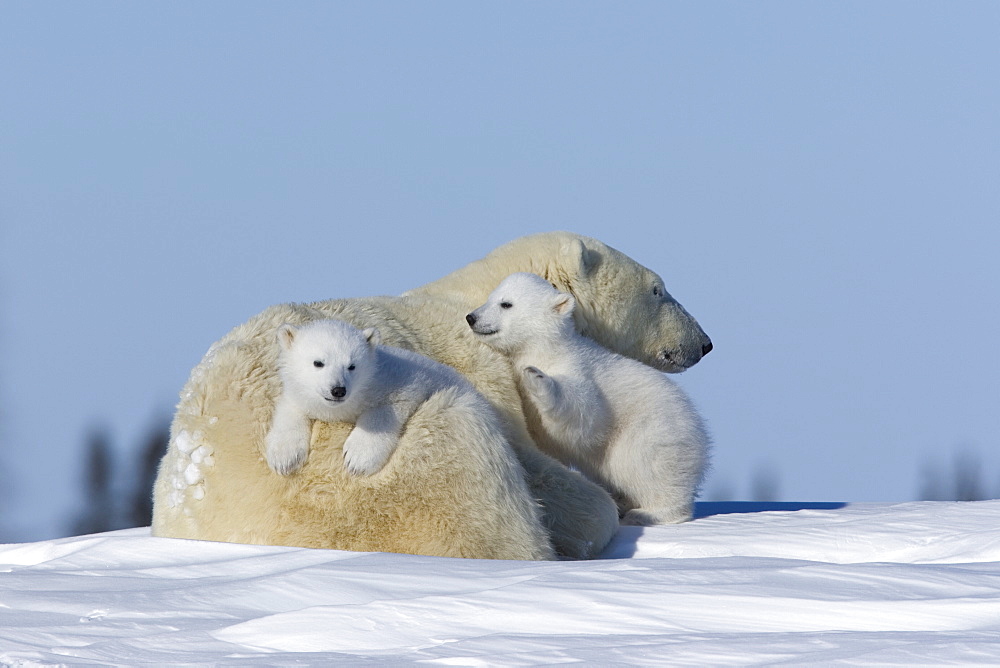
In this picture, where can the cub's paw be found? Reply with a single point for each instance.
(540, 386)
(365, 454)
(534, 373)
(285, 456)
(537, 382)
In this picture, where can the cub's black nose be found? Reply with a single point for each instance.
(706, 349)
(338, 392)
(471, 319)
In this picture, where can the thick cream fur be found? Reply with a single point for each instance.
(452, 488)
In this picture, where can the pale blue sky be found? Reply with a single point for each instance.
(818, 183)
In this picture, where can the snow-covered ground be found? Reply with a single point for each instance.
(907, 584)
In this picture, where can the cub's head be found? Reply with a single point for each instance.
(327, 363)
(523, 308)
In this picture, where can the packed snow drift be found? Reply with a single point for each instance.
(907, 584)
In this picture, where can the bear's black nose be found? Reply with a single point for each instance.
(471, 319)
(338, 391)
(706, 349)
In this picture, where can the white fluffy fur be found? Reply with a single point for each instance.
(334, 372)
(624, 424)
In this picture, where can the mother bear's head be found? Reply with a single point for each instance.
(620, 303)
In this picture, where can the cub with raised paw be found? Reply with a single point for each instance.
(623, 424)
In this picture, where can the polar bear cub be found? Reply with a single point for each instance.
(334, 372)
(623, 424)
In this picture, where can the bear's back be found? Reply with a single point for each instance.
(405, 374)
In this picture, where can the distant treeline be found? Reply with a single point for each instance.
(964, 480)
(118, 494)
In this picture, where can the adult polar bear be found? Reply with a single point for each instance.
(452, 488)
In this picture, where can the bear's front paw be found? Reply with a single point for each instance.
(365, 454)
(285, 456)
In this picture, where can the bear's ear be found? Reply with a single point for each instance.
(579, 258)
(373, 336)
(563, 303)
(286, 335)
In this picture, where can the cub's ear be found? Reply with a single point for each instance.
(373, 336)
(286, 335)
(563, 303)
(579, 258)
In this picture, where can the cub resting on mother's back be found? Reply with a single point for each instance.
(334, 372)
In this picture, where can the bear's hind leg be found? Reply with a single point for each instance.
(656, 481)
(644, 517)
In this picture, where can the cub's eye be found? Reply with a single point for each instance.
(318, 364)
(350, 368)
(657, 292)
(505, 305)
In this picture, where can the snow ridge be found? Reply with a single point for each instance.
(906, 584)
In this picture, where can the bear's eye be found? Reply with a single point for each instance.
(350, 368)
(657, 292)
(318, 364)
(505, 305)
